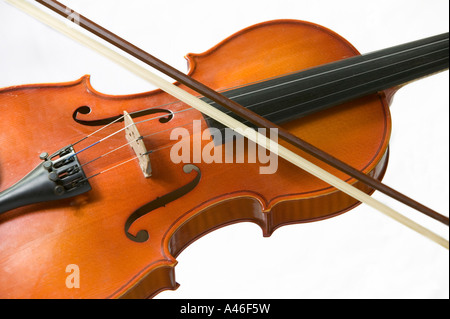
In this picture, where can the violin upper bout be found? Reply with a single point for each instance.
(266, 50)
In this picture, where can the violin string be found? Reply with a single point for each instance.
(105, 154)
(359, 63)
(113, 167)
(328, 82)
(255, 104)
(121, 163)
(135, 157)
(334, 81)
(128, 143)
(323, 73)
(341, 91)
(100, 129)
(124, 128)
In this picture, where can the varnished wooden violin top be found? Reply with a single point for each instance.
(105, 240)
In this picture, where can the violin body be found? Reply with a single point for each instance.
(94, 232)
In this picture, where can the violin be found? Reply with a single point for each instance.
(175, 205)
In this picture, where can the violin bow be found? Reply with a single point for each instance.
(232, 106)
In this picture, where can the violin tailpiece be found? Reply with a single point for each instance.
(59, 176)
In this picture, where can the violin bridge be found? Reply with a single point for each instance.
(134, 138)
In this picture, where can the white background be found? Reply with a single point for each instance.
(360, 254)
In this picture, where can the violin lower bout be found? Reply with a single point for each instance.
(243, 208)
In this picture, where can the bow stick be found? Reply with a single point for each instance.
(222, 117)
(245, 113)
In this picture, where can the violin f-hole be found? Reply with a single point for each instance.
(105, 121)
(142, 235)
